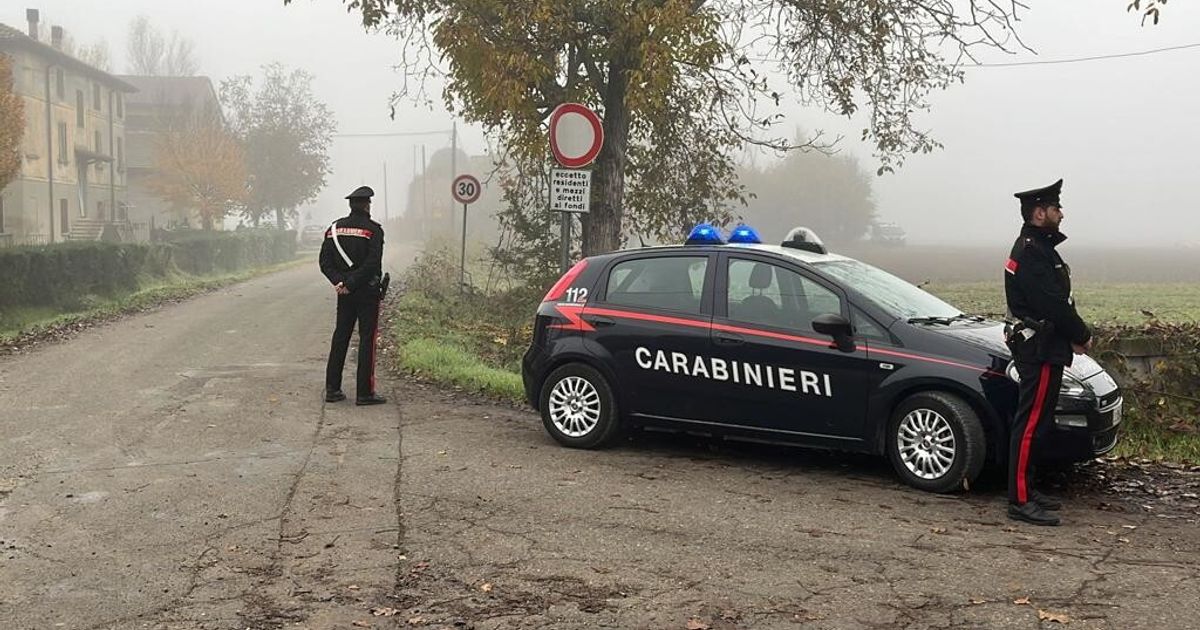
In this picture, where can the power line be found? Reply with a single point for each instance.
(393, 134)
(1047, 62)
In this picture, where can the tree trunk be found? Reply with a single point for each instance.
(602, 226)
(279, 218)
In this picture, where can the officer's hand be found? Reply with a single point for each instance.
(340, 288)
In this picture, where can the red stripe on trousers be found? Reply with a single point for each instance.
(1026, 440)
(374, 340)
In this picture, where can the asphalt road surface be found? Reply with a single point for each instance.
(178, 469)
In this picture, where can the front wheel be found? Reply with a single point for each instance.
(578, 407)
(936, 442)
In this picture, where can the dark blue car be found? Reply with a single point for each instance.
(791, 344)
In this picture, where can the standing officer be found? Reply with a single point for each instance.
(1048, 331)
(352, 260)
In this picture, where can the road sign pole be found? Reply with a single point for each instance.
(462, 265)
(566, 242)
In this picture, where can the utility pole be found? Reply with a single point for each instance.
(385, 192)
(453, 165)
(424, 185)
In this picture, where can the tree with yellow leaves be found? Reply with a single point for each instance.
(12, 124)
(200, 167)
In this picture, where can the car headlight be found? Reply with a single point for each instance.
(1071, 386)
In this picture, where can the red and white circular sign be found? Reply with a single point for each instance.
(466, 189)
(576, 135)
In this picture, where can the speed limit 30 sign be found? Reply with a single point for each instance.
(466, 189)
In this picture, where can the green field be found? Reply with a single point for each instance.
(1103, 303)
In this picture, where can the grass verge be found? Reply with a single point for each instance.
(1140, 440)
(443, 362)
(32, 322)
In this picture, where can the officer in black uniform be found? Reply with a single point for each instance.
(1047, 334)
(357, 284)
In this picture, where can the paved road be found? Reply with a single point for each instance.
(178, 470)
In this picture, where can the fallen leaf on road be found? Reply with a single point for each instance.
(384, 612)
(1024, 601)
(361, 624)
(416, 621)
(696, 624)
(486, 587)
(1124, 540)
(1130, 527)
(976, 602)
(729, 615)
(353, 587)
(441, 452)
(1045, 615)
(938, 530)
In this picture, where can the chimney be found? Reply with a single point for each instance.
(32, 16)
(56, 37)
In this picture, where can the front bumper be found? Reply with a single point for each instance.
(1085, 427)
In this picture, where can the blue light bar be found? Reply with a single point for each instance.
(744, 234)
(704, 234)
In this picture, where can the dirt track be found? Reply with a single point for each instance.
(178, 470)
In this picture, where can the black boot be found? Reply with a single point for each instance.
(1031, 512)
(334, 395)
(373, 399)
(1045, 501)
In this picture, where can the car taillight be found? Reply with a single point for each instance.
(556, 292)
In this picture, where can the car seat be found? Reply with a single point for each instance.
(758, 307)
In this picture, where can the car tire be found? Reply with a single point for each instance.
(578, 407)
(936, 442)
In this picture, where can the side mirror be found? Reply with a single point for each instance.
(837, 327)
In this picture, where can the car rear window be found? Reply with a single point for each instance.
(673, 283)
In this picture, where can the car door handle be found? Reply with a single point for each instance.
(726, 339)
(597, 320)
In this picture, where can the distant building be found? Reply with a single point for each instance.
(72, 180)
(162, 104)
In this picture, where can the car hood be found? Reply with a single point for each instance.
(989, 336)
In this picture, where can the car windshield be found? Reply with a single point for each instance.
(891, 293)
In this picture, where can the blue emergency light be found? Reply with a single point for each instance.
(704, 234)
(744, 234)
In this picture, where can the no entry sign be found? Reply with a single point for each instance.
(576, 135)
(466, 189)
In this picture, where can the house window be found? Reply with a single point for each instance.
(99, 143)
(120, 105)
(60, 83)
(100, 209)
(120, 154)
(96, 103)
(65, 214)
(62, 143)
(79, 108)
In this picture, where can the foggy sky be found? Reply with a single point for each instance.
(1123, 133)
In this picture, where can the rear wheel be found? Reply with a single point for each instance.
(936, 442)
(578, 407)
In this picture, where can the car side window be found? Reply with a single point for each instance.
(766, 294)
(865, 326)
(673, 283)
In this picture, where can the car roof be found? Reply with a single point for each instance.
(800, 255)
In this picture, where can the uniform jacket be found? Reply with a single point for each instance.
(1037, 285)
(362, 239)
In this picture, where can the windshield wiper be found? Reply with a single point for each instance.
(945, 321)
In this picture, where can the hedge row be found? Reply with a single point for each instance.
(62, 275)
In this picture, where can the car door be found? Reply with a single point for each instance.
(651, 321)
(782, 376)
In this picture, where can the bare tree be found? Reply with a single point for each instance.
(153, 55)
(96, 55)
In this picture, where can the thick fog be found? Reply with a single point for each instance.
(1122, 131)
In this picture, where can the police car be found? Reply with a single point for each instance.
(793, 344)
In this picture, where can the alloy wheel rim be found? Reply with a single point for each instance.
(926, 443)
(574, 406)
